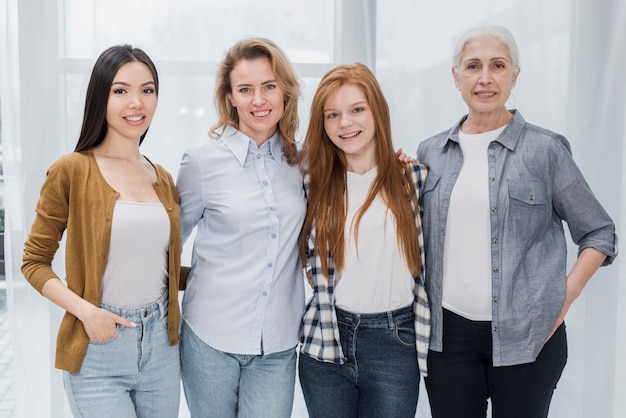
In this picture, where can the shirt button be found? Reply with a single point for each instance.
(258, 156)
(274, 236)
(265, 293)
(495, 329)
(492, 156)
(493, 209)
(492, 179)
(269, 265)
(494, 240)
(272, 208)
(495, 299)
(265, 183)
(495, 269)
(532, 197)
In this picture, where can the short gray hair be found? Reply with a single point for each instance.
(499, 32)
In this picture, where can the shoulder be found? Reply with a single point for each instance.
(72, 164)
(545, 136)
(434, 141)
(207, 150)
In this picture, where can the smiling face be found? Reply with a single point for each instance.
(258, 97)
(132, 101)
(349, 123)
(485, 76)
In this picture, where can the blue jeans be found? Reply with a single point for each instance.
(462, 378)
(134, 374)
(219, 384)
(380, 377)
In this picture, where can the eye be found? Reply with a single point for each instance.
(119, 91)
(331, 115)
(499, 65)
(472, 66)
(148, 90)
(270, 86)
(244, 90)
(359, 109)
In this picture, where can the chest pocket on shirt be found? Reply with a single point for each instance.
(529, 208)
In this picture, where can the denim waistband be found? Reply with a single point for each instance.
(155, 310)
(389, 318)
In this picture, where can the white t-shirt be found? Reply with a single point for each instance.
(375, 277)
(467, 246)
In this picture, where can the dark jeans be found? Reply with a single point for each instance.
(380, 377)
(462, 377)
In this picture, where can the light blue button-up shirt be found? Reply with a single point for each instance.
(245, 291)
(534, 185)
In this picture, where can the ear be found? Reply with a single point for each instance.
(515, 76)
(230, 99)
(457, 83)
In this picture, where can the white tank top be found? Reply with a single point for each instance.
(136, 274)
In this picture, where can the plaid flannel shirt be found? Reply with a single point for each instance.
(319, 332)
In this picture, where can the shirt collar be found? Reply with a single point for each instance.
(241, 145)
(508, 138)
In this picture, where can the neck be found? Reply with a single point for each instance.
(477, 123)
(360, 165)
(122, 150)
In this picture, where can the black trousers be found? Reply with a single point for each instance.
(462, 378)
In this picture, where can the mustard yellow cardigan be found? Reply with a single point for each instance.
(75, 197)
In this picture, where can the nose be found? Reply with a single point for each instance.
(346, 120)
(485, 76)
(258, 98)
(135, 102)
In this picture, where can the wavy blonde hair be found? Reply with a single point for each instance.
(249, 49)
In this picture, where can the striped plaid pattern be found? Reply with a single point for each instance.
(319, 332)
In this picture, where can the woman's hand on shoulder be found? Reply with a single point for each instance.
(404, 158)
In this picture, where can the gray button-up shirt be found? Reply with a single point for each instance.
(534, 185)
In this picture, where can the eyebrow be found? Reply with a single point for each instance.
(250, 84)
(491, 59)
(360, 102)
(123, 83)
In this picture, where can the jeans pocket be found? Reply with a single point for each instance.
(405, 333)
(110, 340)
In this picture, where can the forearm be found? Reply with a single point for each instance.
(587, 264)
(65, 298)
(585, 267)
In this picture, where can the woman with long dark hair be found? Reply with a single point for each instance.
(117, 343)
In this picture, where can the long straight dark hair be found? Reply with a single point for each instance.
(104, 70)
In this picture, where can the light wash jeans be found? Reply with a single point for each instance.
(134, 374)
(224, 385)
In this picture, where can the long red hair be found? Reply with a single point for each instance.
(326, 166)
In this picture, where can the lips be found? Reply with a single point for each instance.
(349, 136)
(261, 114)
(134, 118)
(485, 93)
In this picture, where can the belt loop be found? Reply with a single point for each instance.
(390, 319)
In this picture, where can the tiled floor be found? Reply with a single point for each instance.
(7, 389)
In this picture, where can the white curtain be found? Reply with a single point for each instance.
(572, 81)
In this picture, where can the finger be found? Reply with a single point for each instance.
(123, 321)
